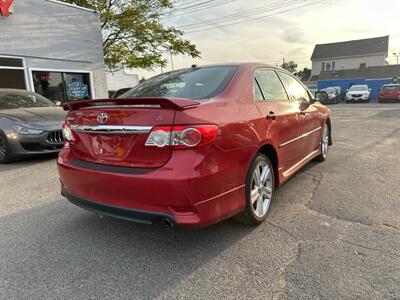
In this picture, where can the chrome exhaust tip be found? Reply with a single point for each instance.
(167, 222)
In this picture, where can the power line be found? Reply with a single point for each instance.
(210, 5)
(246, 13)
(259, 18)
(196, 5)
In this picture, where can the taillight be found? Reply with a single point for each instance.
(182, 137)
(68, 134)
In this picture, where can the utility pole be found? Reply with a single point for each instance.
(397, 56)
(172, 62)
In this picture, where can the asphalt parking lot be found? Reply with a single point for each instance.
(333, 232)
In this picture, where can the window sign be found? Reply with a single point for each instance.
(78, 90)
(63, 87)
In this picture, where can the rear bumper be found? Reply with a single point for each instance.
(139, 216)
(191, 189)
(389, 99)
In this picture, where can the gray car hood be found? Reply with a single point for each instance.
(49, 118)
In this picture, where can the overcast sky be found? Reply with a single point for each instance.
(270, 30)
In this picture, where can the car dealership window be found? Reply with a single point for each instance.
(270, 84)
(295, 88)
(62, 86)
(12, 73)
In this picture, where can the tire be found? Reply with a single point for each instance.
(5, 151)
(258, 205)
(324, 144)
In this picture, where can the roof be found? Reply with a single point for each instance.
(379, 72)
(72, 5)
(351, 48)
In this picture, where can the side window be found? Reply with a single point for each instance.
(295, 88)
(270, 84)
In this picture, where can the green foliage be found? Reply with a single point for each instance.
(133, 35)
(304, 74)
(290, 66)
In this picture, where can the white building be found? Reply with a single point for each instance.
(349, 55)
(52, 48)
(124, 78)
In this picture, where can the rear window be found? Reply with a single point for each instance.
(22, 99)
(391, 88)
(194, 83)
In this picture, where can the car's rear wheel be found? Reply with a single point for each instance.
(260, 184)
(324, 144)
(5, 152)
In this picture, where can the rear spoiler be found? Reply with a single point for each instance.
(168, 103)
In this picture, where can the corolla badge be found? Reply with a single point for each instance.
(102, 118)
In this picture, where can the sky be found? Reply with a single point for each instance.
(269, 31)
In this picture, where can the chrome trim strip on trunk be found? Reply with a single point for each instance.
(127, 106)
(300, 137)
(112, 129)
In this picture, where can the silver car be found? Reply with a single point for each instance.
(29, 125)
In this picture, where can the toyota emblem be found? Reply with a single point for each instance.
(102, 118)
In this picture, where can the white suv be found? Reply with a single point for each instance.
(358, 93)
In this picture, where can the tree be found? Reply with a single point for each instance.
(304, 75)
(290, 66)
(133, 35)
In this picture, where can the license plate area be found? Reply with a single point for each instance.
(112, 147)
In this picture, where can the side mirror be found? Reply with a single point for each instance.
(58, 103)
(321, 96)
(347, 90)
(370, 90)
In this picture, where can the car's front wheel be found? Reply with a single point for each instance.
(5, 152)
(260, 184)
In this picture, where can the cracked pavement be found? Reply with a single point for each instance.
(333, 233)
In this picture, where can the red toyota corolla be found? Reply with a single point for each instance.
(192, 147)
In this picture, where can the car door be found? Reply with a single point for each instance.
(309, 114)
(280, 116)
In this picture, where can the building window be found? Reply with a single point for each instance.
(328, 65)
(62, 86)
(12, 73)
(11, 62)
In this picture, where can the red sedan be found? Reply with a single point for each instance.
(194, 146)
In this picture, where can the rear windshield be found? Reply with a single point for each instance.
(195, 83)
(391, 88)
(22, 99)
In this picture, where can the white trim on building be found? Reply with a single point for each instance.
(72, 5)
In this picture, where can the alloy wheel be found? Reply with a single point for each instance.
(261, 189)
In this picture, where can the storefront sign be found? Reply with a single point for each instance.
(5, 7)
(78, 90)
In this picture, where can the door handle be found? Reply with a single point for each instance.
(271, 116)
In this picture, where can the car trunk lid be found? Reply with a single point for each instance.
(114, 131)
